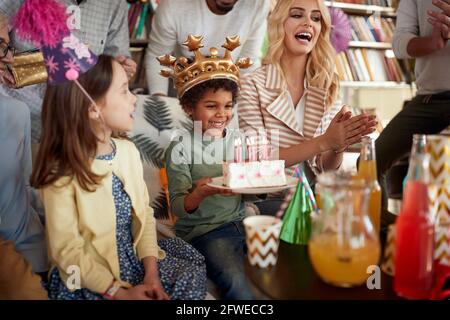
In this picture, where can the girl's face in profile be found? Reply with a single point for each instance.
(302, 27)
(215, 111)
(119, 103)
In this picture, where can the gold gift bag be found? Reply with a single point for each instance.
(28, 69)
(439, 150)
(388, 265)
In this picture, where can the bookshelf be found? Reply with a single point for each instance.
(140, 14)
(138, 43)
(377, 84)
(370, 45)
(370, 74)
(363, 9)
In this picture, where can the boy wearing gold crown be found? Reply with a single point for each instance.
(209, 218)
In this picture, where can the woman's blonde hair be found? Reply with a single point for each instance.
(320, 68)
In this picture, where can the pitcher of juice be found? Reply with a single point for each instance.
(343, 241)
(368, 171)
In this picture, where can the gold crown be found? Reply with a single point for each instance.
(186, 75)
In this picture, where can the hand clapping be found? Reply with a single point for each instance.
(345, 130)
(441, 20)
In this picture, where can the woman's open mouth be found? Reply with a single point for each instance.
(304, 37)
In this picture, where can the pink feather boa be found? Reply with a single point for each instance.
(42, 22)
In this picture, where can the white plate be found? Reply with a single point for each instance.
(291, 182)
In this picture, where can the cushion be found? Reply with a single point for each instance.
(155, 119)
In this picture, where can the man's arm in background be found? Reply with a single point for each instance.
(118, 41)
(407, 41)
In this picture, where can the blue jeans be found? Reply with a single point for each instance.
(269, 206)
(224, 249)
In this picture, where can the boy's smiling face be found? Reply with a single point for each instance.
(214, 110)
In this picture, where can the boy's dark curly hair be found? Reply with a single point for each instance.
(190, 99)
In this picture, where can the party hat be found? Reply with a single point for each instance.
(203, 68)
(41, 22)
(67, 59)
(44, 23)
(296, 226)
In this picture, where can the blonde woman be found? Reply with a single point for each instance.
(295, 90)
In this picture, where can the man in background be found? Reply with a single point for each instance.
(213, 19)
(422, 32)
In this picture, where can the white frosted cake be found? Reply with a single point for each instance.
(255, 174)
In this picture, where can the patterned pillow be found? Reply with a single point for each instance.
(155, 120)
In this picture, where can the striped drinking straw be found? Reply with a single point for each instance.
(287, 199)
(301, 175)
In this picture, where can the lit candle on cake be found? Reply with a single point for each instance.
(252, 149)
(264, 148)
(237, 150)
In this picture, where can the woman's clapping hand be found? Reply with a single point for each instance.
(345, 130)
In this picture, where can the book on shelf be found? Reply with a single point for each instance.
(367, 65)
(372, 29)
(138, 14)
(381, 3)
(370, 58)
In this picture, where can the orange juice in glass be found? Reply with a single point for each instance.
(368, 171)
(340, 264)
(317, 196)
(343, 241)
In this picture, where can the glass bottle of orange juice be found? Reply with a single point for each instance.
(343, 242)
(368, 171)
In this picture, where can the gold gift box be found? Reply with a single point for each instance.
(29, 69)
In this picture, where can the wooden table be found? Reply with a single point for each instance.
(293, 277)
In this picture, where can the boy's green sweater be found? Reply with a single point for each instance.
(189, 160)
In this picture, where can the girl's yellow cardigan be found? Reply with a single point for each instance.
(81, 225)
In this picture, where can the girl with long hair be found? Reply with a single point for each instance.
(100, 227)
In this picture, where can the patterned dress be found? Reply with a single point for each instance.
(182, 271)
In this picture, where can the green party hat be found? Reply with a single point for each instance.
(296, 227)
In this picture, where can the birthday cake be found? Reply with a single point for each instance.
(254, 174)
(256, 169)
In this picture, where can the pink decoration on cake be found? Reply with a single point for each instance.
(245, 174)
(341, 32)
(41, 22)
(278, 172)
